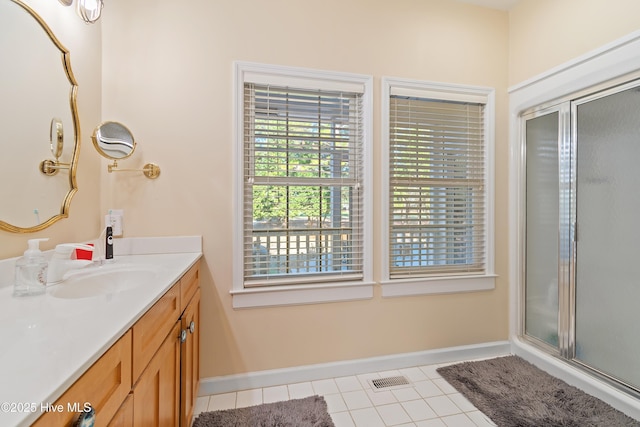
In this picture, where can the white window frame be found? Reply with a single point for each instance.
(307, 293)
(438, 284)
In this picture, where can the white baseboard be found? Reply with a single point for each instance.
(259, 379)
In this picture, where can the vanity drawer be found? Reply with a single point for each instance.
(189, 283)
(150, 331)
(105, 385)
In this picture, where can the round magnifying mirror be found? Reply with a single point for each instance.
(56, 137)
(113, 140)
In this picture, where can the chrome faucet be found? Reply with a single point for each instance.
(61, 261)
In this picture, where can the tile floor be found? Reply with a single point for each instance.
(428, 402)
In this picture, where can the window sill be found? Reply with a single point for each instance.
(438, 285)
(302, 294)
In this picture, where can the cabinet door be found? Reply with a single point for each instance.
(190, 360)
(156, 396)
(124, 416)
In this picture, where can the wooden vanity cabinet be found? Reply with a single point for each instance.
(165, 392)
(150, 377)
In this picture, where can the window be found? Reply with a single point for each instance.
(303, 153)
(438, 177)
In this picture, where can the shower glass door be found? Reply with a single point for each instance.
(542, 210)
(607, 279)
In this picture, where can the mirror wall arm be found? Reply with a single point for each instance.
(51, 167)
(150, 170)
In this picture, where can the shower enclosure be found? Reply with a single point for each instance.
(582, 244)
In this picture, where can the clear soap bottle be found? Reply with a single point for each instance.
(31, 271)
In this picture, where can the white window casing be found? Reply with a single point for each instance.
(437, 187)
(302, 231)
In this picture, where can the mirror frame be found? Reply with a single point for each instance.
(66, 64)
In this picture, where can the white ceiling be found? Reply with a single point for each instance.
(494, 4)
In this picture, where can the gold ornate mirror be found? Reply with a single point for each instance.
(37, 101)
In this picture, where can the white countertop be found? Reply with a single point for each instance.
(48, 342)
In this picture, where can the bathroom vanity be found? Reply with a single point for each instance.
(122, 337)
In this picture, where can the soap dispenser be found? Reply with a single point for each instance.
(31, 270)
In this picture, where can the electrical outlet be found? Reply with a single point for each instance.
(115, 219)
(116, 225)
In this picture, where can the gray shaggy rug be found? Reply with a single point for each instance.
(307, 412)
(514, 393)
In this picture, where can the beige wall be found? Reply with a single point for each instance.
(546, 33)
(167, 74)
(167, 69)
(83, 41)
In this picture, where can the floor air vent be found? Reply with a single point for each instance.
(388, 383)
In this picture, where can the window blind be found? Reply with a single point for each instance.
(303, 198)
(436, 182)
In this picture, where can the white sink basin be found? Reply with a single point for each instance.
(103, 280)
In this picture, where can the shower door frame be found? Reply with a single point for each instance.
(533, 113)
(608, 62)
(566, 107)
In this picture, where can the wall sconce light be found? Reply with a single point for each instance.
(89, 10)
